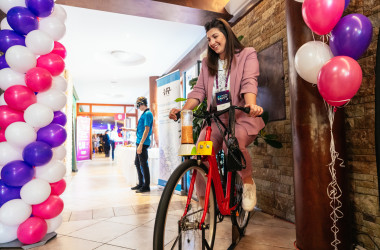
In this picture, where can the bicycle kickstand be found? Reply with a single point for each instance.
(204, 241)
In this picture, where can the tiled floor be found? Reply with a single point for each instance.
(101, 212)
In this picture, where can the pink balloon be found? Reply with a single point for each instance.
(339, 80)
(52, 62)
(32, 230)
(57, 188)
(48, 209)
(59, 49)
(2, 135)
(38, 79)
(322, 15)
(9, 116)
(337, 103)
(19, 97)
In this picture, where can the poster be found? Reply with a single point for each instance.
(168, 89)
(83, 138)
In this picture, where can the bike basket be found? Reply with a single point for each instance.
(235, 159)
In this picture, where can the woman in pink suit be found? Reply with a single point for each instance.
(233, 69)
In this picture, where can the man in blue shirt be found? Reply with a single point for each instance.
(143, 133)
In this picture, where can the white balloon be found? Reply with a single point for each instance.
(52, 98)
(38, 115)
(20, 134)
(53, 27)
(35, 191)
(59, 153)
(310, 58)
(4, 25)
(15, 212)
(301, 1)
(59, 12)
(9, 153)
(6, 5)
(60, 83)
(54, 223)
(2, 100)
(52, 172)
(39, 42)
(20, 58)
(7, 233)
(9, 77)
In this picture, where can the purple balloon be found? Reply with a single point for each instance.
(17, 173)
(22, 20)
(3, 62)
(59, 118)
(41, 8)
(8, 193)
(9, 38)
(37, 153)
(351, 36)
(346, 3)
(53, 134)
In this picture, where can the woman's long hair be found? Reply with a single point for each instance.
(232, 44)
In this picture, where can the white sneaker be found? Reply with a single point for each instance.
(249, 197)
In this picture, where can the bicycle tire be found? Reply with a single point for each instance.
(162, 234)
(239, 216)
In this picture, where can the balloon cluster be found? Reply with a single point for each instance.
(333, 67)
(32, 129)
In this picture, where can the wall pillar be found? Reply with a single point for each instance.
(153, 107)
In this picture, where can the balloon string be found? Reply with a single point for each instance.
(312, 33)
(334, 192)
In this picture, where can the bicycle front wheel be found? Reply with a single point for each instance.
(172, 230)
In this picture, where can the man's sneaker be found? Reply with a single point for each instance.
(143, 190)
(249, 197)
(137, 187)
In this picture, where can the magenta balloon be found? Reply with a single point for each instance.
(3, 62)
(8, 193)
(339, 79)
(17, 173)
(19, 97)
(351, 36)
(32, 230)
(48, 209)
(59, 118)
(22, 20)
(322, 15)
(9, 38)
(9, 116)
(2, 135)
(53, 134)
(41, 8)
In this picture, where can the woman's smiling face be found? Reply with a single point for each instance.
(217, 42)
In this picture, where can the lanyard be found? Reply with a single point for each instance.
(217, 80)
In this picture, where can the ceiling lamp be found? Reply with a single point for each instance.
(127, 58)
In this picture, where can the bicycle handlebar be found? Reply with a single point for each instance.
(218, 113)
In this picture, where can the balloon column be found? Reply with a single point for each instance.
(32, 129)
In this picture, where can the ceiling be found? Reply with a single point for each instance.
(100, 76)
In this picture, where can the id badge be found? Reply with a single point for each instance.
(223, 100)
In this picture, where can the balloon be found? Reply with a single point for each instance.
(20, 58)
(32, 230)
(351, 36)
(9, 116)
(59, 118)
(8, 193)
(19, 97)
(7, 233)
(57, 188)
(6, 5)
(38, 115)
(2, 135)
(301, 1)
(59, 12)
(52, 98)
(52, 172)
(9, 38)
(38, 79)
(339, 79)
(15, 212)
(54, 224)
(337, 103)
(17, 173)
(53, 134)
(22, 20)
(59, 49)
(53, 27)
(39, 42)
(322, 15)
(37, 153)
(20, 134)
(4, 25)
(9, 77)
(59, 153)
(3, 62)
(35, 191)
(48, 209)
(310, 58)
(9, 153)
(59, 83)
(52, 62)
(41, 8)
(347, 2)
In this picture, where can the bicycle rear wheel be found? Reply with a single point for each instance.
(239, 216)
(172, 230)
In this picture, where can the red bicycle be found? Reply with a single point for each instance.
(189, 222)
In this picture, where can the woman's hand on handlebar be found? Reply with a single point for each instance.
(255, 110)
(172, 114)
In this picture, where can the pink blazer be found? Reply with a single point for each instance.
(244, 73)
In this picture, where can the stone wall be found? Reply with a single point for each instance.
(273, 168)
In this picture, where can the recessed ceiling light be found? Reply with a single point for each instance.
(127, 58)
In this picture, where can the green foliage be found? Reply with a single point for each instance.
(270, 139)
(240, 38)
